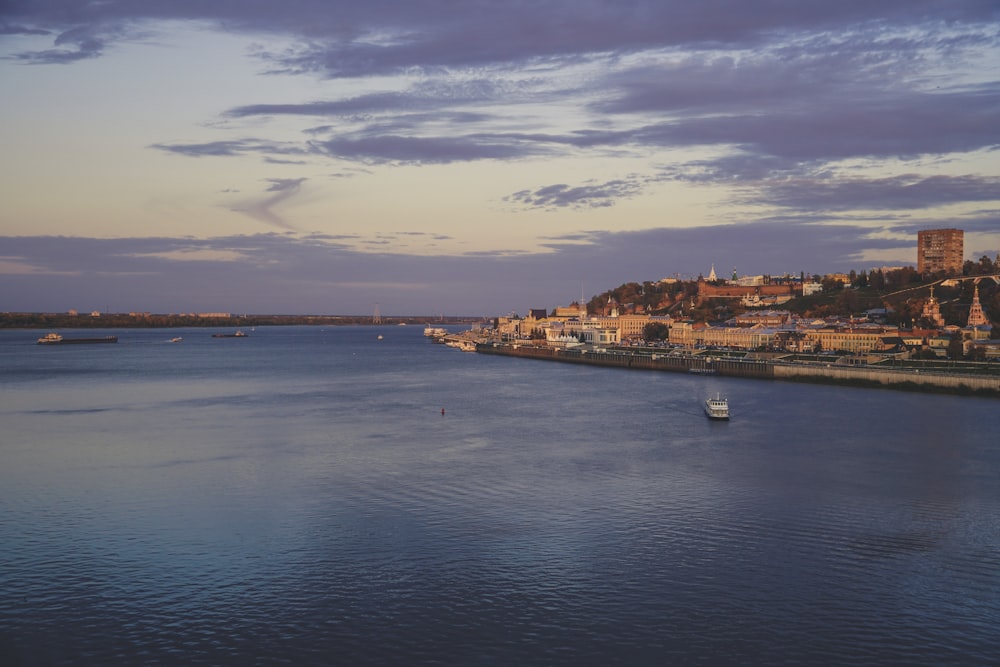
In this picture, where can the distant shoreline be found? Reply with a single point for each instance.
(153, 321)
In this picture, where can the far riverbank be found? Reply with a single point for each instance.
(166, 321)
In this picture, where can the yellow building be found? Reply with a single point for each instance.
(742, 338)
(855, 341)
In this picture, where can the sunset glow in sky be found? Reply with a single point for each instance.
(479, 157)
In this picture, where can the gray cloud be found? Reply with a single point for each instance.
(290, 273)
(431, 150)
(898, 126)
(14, 29)
(594, 195)
(897, 193)
(76, 43)
(390, 36)
(231, 148)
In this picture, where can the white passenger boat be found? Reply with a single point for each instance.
(717, 408)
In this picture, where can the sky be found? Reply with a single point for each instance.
(479, 157)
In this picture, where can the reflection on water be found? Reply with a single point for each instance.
(298, 497)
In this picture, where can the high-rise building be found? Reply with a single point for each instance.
(940, 250)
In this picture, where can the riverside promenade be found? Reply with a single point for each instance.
(984, 382)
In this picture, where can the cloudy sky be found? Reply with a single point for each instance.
(479, 157)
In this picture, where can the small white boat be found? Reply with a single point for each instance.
(176, 339)
(717, 408)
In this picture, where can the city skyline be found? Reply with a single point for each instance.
(465, 160)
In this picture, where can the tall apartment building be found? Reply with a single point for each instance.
(940, 250)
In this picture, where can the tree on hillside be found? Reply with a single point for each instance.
(955, 350)
(847, 301)
(984, 267)
(656, 331)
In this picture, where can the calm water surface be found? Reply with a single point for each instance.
(297, 497)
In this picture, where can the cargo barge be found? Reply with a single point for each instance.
(56, 339)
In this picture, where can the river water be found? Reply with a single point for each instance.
(299, 497)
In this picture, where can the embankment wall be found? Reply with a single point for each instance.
(985, 385)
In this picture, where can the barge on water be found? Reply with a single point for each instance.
(56, 339)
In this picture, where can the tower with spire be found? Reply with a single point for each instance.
(977, 318)
(711, 275)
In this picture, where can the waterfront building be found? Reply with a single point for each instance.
(740, 338)
(990, 349)
(600, 336)
(940, 250)
(632, 325)
(683, 332)
(863, 339)
(939, 344)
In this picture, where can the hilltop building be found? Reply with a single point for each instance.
(811, 288)
(940, 250)
(932, 310)
(761, 294)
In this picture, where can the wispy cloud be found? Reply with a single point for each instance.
(232, 148)
(283, 189)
